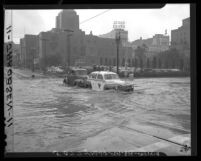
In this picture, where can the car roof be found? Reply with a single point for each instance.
(103, 72)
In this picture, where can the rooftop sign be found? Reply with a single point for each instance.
(119, 25)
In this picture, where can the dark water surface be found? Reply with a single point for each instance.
(49, 116)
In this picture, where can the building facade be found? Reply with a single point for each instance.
(103, 51)
(67, 19)
(112, 35)
(29, 46)
(180, 38)
(75, 47)
(158, 43)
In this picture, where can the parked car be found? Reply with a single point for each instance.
(76, 76)
(105, 80)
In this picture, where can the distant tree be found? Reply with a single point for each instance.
(136, 62)
(181, 64)
(123, 62)
(159, 63)
(141, 63)
(170, 58)
(148, 65)
(166, 64)
(173, 64)
(129, 62)
(140, 54)
(154, 62)
(174, 57)
(133, 62)
(140, 51)
(51, 60)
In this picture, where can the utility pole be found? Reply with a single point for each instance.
(118, 38)
(68, 46)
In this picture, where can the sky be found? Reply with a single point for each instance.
(143, 23)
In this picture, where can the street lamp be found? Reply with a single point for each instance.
(68, 46)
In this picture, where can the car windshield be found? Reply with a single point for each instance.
(81, 72)
(111, 76)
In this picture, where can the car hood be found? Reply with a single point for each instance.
(118, 81)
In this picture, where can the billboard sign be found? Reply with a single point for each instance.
(119, 25)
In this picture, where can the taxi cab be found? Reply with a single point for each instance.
(105, 80)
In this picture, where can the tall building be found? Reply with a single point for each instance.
(29, 46)
(180, 38)
(60, 43)
(67, 19)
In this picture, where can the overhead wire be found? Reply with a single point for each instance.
(94, 16)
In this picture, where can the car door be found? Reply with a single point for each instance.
(98, 83)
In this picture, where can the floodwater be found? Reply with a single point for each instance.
(49, 116)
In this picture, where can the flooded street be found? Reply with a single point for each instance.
(52, 117)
